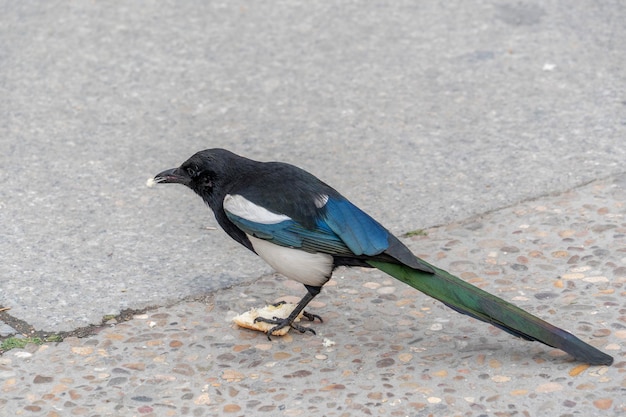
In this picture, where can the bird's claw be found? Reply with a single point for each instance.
(312, 317)
(282, 323)
(309, 316)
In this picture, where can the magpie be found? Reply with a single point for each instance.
(304, 229)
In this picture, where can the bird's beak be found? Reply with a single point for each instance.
(174, 176)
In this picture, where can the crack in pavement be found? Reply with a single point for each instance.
(25, 330)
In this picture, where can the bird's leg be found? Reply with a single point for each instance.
(289, 321)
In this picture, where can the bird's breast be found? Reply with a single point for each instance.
(312, 269)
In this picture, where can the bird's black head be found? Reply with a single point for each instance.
(206, 173)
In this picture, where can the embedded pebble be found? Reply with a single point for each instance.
(546, 295)
(596, 279)
(202, 399)
(405, 357)
(386, 290)
(549, 387)
(573, 275)
(82, 350)
(579, 369)
(603, 403)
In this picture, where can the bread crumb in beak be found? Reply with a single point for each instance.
(151, 182)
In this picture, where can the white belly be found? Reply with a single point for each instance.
(308, 268)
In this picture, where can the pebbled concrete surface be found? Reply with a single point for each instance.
(383, 349)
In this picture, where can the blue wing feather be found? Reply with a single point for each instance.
(291, 234)
(362, 234)
(343, 229)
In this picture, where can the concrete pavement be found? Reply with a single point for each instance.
(423, 114)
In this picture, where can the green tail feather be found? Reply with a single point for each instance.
(468, 299)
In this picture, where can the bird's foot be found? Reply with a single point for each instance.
(282, 323)
(309, 316)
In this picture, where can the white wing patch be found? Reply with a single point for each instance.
(246, 209)
(321, 201)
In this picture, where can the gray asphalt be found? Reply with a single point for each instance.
(422, 113)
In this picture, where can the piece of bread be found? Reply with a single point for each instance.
(281, 311)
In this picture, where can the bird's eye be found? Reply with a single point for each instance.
(191, 172)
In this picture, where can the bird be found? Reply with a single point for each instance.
(304, 229)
